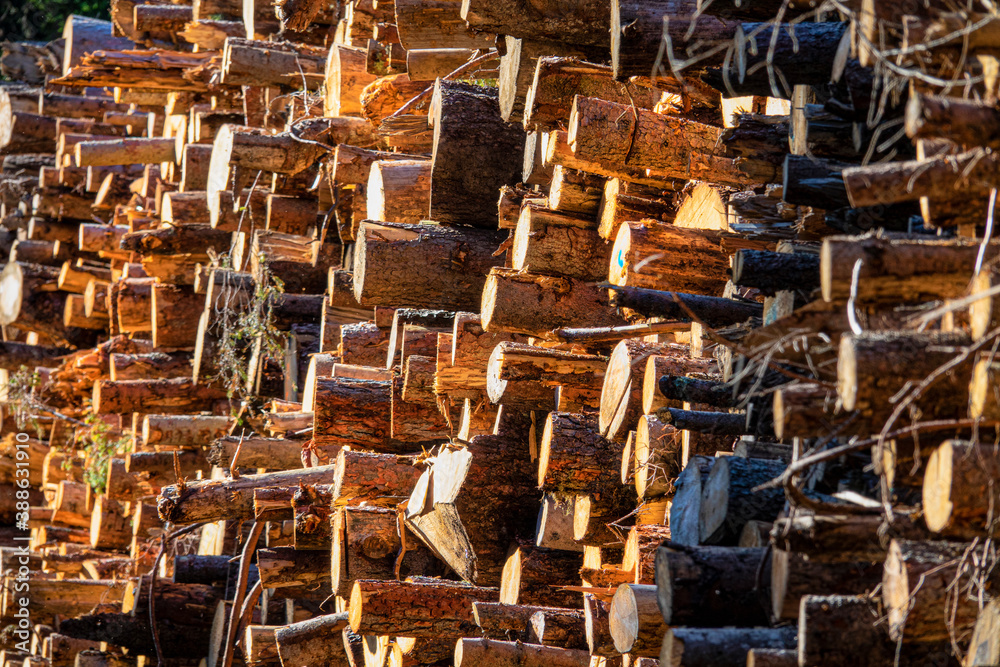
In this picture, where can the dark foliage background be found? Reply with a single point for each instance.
(42, 20)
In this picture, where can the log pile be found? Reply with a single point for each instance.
(429, 332)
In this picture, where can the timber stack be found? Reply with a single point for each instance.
(485, 332)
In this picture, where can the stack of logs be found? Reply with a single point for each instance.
(476, 332)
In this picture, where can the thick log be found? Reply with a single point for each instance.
(917, 587)
(174, 396)
(531, 575)
(399, 190)
(212, 500)
(286, 566)
(432, 610)
(352, 412)
(774, 271)
(635, 621)
(574, 458)
(622, 391)
(895, 270)
(585, 24)
(367, 545)
(249, 62)
(656, 457)
(125, 151)
(596, 134)
(958, 487)
(314, 641)
(255, 452)
(436, 25)
(472, 526)
(575, 192)
(771, 58)
(383, 252)
(559, 628)
(718, 647)
(168, 432)
(512, 366)
(638, 35)
(558, 79)
(345, 76)
(536, 305)
(794, 576)
(554, 243)
(729, 500)
(864, 383)
(945, 178)
(149, 365)
(468, 129)
(135, 634)
(515, 654)
(699, 587)
(659, 256)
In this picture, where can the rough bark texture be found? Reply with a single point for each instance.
(452, 263)
(431, 610)
(468, 130)
(711, 586)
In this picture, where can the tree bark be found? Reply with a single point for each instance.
(399, 191)
(926, 590)
(574, 458)
(575, 192)
(287, 566)
(491, 653)
(558, 79)
(897, 270)
(638, 35)
(536, 305)
(531, 573)
(661, 256)
(312, 642)
(135, 634)
(366, 545)
(353, 412)
(468, 129)
(125, 151)
(430, 610)
(596, 134)
(728, 499)
(771, 58)
(794, 575)
(697, 587)
(169, 432)
(773, 271)
(453, 262)
(864, 383)
(553, 243)
(713, 311)
(967, 174)
(176, 396)
(712, 647)
(256, 452)
(657, 457)
(212, 500)
(436, 25)
(562, 628)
